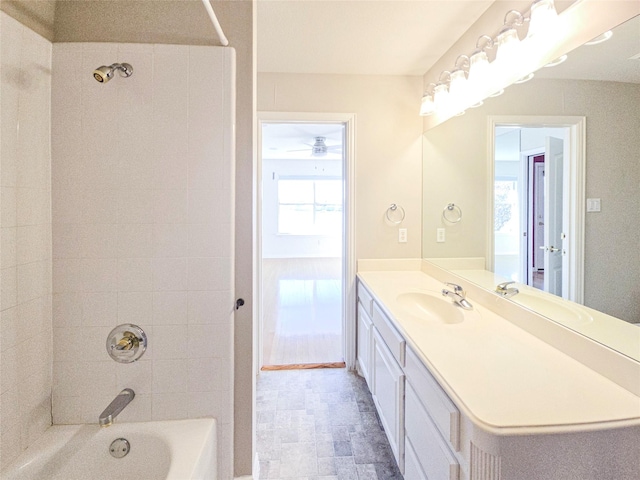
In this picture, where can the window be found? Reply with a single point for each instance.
(310, 206)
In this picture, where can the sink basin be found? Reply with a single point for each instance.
(567, 313)
(432, 306)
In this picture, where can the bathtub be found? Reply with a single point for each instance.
(167, 450)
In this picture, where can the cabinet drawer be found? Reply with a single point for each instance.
(365, 299)
(412, 467)
(388, 332)
(431, 451)
(441, 409)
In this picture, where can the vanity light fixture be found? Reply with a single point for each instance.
(524, 79)
(600, 38)
(478, 76)
(557, 61)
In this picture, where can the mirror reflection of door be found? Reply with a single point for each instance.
(530, 209)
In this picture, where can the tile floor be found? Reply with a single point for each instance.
(320, 424)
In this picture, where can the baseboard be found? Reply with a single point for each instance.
(304, 366)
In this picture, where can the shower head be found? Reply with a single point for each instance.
(104, 74)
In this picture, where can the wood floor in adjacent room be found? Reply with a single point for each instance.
(302, 311)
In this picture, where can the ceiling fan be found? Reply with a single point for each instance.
(319, 148)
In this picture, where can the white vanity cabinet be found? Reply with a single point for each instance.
(364, 333)
(380, 356)
(485, 400)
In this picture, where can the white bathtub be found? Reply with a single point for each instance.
(168, 450)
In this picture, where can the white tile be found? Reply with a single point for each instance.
(209, 240)
(84, 378)
(135, 240)
(169, 406)
(135, 307)
(205, 341)
(170, 205)
(135, 275)
(99, 309)
(137, 376)
(9, 328)
(68, 205)
(210, 307)
(10, 411)
(209, 273)
(8, 207)
(8, 247)
(202, 375)
(169, 274)
(136, 206)
(30, 318)
(169, 376)
(67, 309)
(67, 275)
(9, 369)
(97, 240)
(28, 205)
(170, 308)
(170, 342)
(216, 404)
(169, 240)
(8, 287)
(30, 280)
(66, 241)
(29, 244)
(100, 205)
(99, 275)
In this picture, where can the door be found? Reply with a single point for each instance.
(553, 208)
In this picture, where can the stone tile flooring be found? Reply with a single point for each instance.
(320, 424)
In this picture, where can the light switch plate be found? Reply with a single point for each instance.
(402, 235)
(593, 204)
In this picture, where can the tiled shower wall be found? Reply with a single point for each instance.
(25, 245)
(143, 232)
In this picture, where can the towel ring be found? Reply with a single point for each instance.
(452, 213)
(395, 214)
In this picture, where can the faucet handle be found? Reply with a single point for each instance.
(456, 288)
(504, 285)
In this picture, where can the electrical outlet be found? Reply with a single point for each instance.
(402, 235)
(440, 235)
(593, 204)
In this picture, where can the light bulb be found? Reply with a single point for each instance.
(441, 97)
(479, 74)
(543, 18)
(508, 43)
(427, 106)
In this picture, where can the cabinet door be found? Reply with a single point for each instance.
(363, 353)
(388, 395)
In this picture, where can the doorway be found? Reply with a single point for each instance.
(302, 244)
(537, 201)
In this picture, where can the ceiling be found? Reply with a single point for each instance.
(295, 140)
(361, 37)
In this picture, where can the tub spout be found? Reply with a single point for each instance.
(115, 407)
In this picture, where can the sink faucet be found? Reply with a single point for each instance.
(458, 295)
(501, 289)
(115, 407)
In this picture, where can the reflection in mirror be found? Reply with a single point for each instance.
(602, 84)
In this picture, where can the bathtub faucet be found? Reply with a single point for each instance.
(115, 407)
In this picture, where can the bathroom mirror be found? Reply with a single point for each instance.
(600, 83)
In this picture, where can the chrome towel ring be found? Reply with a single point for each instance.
(395, 214)
(452, 213)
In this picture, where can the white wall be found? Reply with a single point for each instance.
(143, 226)
(25, 305)
(275, 245)
(388, 146)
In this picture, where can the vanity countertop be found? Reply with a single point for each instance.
(505, 379)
